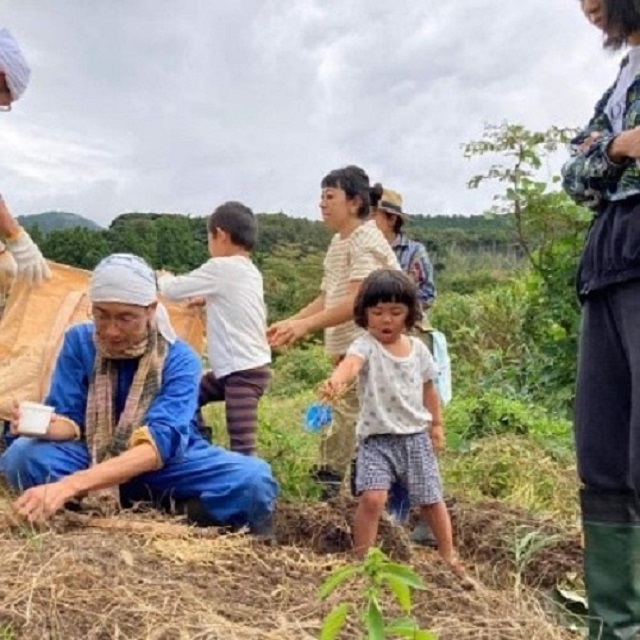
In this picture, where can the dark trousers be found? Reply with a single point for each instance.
(608, 391)
(608, 447)
(241, 392)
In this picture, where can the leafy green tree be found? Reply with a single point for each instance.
(550, 229)
(292, 279)
(79, 247)
(181, 245)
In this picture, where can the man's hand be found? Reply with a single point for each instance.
(14, 422)
(41, 503)
(32, 267)
(286, 332)
(437, 437)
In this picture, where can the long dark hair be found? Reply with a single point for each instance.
(621, 20)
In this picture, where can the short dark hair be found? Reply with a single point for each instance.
(375, 195)
(387, 285)
(238, 221)
(354, 182)
(621, 19)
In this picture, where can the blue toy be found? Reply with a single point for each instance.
(318, 417)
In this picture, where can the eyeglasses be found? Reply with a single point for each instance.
(124, 321)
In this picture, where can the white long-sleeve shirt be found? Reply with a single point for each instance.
(236, 313)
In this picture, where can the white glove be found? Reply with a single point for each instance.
(32, 266)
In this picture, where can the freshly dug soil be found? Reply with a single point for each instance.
(146, 576)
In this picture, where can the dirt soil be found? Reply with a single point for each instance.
(145, 576)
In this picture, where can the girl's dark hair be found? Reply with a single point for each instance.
(621, 20)
(354, 182)
(387, 285)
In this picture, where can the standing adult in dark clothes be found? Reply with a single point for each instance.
(604, 175)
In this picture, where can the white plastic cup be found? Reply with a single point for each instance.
(34, 418)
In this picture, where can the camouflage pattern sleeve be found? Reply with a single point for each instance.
(590, 174)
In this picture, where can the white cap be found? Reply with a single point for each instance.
(13, 64)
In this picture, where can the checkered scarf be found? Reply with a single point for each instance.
(105, 437)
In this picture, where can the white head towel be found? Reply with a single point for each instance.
(13, 64)
(128, 279)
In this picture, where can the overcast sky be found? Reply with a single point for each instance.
(159, 105)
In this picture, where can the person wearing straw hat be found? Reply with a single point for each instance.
(23, 260)
(411, 254)
(125, 394)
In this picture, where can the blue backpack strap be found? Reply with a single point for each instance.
(440, 354)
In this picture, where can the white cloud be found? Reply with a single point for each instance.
(154, 105)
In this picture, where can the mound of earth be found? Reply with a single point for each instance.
(510, 540)
(144, 576)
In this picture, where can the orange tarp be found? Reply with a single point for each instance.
(33, 326)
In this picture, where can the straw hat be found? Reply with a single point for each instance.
(391, 202)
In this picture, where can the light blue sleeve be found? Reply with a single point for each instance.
(428, 369)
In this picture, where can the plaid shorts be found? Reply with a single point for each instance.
(409, 460)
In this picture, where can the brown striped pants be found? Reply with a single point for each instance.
(241, 392)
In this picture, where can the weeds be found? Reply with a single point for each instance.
(525, 546)
(291, 451)
(516, 470)
(7, 632)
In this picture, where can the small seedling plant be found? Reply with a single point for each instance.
(382, 578)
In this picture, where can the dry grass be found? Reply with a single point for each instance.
(147, 577)
(515, 471)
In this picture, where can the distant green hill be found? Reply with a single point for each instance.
(55, 220)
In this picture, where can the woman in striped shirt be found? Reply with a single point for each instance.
(357, 249)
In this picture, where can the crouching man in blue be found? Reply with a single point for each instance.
(125, 394)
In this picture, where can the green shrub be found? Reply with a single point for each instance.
(493, 413)
(518, 338)
(282, 441)
(299, 369)
(516, 470)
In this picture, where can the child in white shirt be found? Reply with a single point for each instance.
(232, 289)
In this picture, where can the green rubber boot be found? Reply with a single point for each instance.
(611, 522)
